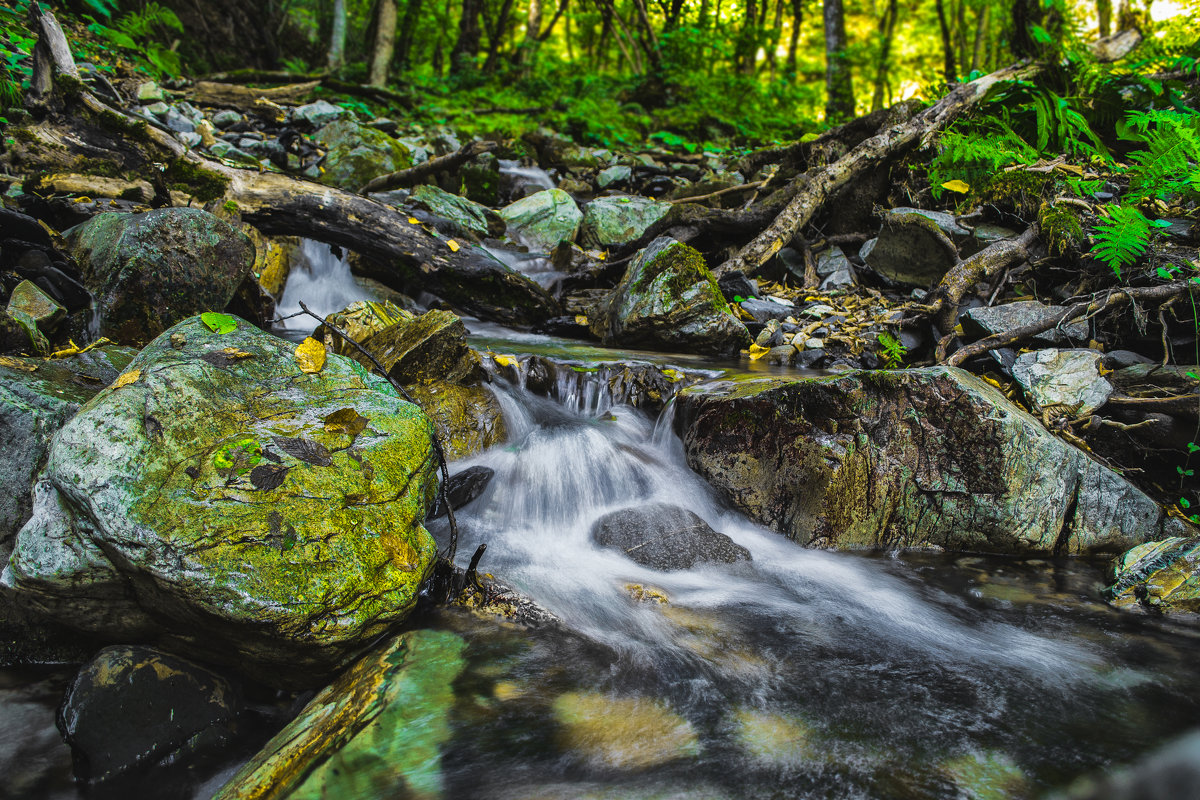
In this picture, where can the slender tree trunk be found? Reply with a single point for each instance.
(337, 38)
(773, 39)
(1104, 15)
(385, 42)
(887, 29)
(748, 44)
(496, 37)
(408, 27)
(466, 47)
(949, 69)
(839, 88)
(794, 39)
(533, 25)
(981, 36)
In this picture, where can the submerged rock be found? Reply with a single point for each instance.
(613, 221)
(924, 458)
(148, 271)
(231, 504)
(543, 220)
(376, 731)
(666, 537)
(462, 487)
(627, 733)
(1161, 576)
(668, 300)
(136, 706)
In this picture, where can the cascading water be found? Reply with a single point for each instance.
(525, 176)
(322, 281)
(799, 674)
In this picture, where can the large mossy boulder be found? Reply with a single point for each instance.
(376, 731)
(668, 300)
(37, 397)
(148, 271)
(225, 502)
(617, 220)
(922, 458)
(1161, 576)
(357, 153)
(543, 220)
(429, 356)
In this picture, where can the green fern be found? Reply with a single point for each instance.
(1122, 237)
(891, 349)
(1170, 164)
(975, 156)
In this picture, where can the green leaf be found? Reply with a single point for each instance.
(218, 323)
(1183, 502)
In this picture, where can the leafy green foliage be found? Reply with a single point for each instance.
(105, 8)
(891, 349)
(1170, 164)
(974, 156)
(146, 32)
(218, 323)
(1122, 237)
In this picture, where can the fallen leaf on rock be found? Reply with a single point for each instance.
(453, 245)
(757, 352)
(310, 356)
(346, 420)
(962, 187)
(268, 476)
(127, 378)
(504, 361)
(218, 323)
(306, 450)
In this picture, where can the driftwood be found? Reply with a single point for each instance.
(230, 95)
(827, 182)
(414, 175)
(1152, 294)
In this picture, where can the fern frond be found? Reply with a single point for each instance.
(1121, 238)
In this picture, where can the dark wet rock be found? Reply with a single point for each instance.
(148, 271)
(764, 311)
(19, 334)
(1171, 772)
(1173, 378)
(665, 537)
(391, 707)
(831, 260)
(1161, 576)
(428, 354)
(1119, 359)
(842, 279)
(223, 501)
(358, 153)
(911, 249)
(40, 307)
(669, 300)
(463, 487)
(36, 398)
(987, 321)
(1068, 380)
(134, 706)
(736, 285)
(566, 327)
(923, 458)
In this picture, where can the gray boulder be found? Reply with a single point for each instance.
(1161, 576)
(668, 300)
(1066, 379)
(912, 248)
(315, 115)
(148, 271)
(543, 220)
(234, 506)
(921, 458)
(987, 321)
(358, 153)
(665, 537)
(467, 214)
(617, 220)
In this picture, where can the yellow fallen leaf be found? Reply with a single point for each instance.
(962, 187)
(453, 245)
(17, 364)
(310, 355)
(233, 352)
(757, 352)
(127, 378)
(581, 319)
(414, 221)
(504, 361)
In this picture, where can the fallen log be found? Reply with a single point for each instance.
(72, 126)
(380, 93)
(230, 95)
(827, 182)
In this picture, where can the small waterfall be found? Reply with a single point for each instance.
(535, 266)
(525, 176)
(320, 280)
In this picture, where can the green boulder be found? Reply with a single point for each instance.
(924, 458)
(614, 221)
(466, 214)
(1160, 576)
(668, 300)
(148, 271)
(543, 220)
(376, 731)
(254, 513)
(357, 153)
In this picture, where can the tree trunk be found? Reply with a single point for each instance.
(466, 47)
(385, 42)
(496, 37)
(408, 27)
(869, 154)
(887, 28)
(981, 36)
(1104, 16)
(337, 39)
(794, 39)
(949, 69)
(839, 103)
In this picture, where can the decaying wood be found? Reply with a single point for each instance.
(944, 300)
(381, 93)
(92, 186)
(232, 95)
(1184, 405)
(1152, 294)
(414, 175)
(827, 182)
(52, 53)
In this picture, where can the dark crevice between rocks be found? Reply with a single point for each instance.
(1064, 532)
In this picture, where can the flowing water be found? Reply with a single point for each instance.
(321, 280)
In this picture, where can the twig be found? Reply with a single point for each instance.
(437, 444)
(718, 193)
(414, 175)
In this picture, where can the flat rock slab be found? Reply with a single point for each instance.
(980, 322)
(221, 499)
(921, 458)
(1064, 379)
(666, 537)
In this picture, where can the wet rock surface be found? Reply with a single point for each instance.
(666, 537)
(1161, 576)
